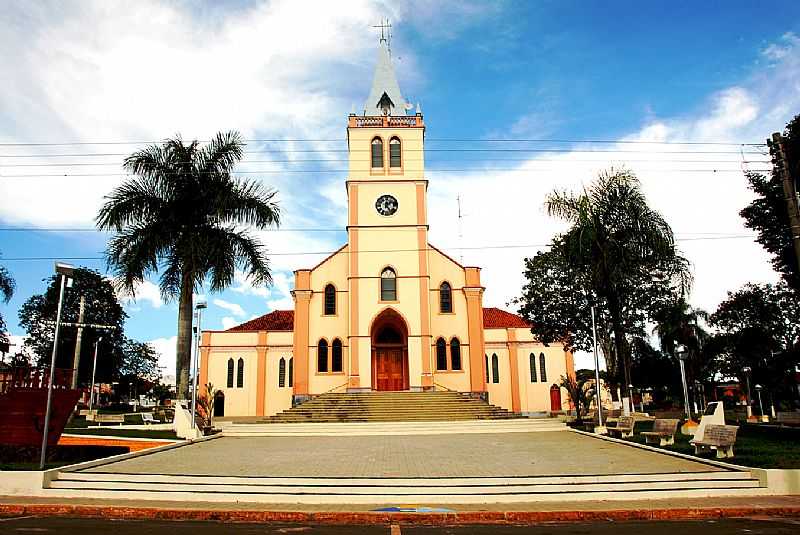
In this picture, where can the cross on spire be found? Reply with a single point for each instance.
(386, 31)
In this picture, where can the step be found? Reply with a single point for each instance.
(404, 490)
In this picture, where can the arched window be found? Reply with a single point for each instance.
(240, 373)
(230, 373)
(441, 354)
(495, 369)
(486, 366)
(533, 367)
(336, 357)
(455, 354)
(322, 356)
(330, 300)
(282, 372)
(388, 285)
(377, 152)
(291, 371)
(445, 298)
(394, 153)
(542, 368)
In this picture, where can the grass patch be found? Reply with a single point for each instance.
(112, 431)
(756, 446)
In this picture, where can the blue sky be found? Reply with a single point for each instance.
(710, 71)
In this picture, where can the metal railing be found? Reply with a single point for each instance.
(28, 377)
(384, 121)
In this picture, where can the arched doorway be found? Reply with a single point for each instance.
(555, 398)
(389, 336)
(219, 403)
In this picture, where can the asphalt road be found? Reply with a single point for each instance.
(77, 526)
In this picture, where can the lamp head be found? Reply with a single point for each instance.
(64, 269)
(746, 369)
(759, 387)
(682, 353)
(201, 305)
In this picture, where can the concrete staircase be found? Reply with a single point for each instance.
(416, 427)
(390, 407)
(462, 490)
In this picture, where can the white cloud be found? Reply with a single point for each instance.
(144, 292)
(233, 308)
(166, 356)
(789, 43)
(228, 322)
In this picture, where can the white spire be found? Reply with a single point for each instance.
(385, 97)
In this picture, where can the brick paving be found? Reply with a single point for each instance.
(476, 455)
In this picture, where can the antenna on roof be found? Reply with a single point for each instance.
(460, 231)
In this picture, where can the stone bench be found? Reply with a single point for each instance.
(663, 432)
(719, 438)
(624, 427)
(101, 419)
(147, 418)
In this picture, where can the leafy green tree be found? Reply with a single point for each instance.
(38, 314)
(625, 252)
(768, 214)
(759, 327)
(7, 287)
(182, 214)
(139, 368)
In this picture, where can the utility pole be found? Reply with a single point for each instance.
(778, 152)
(76, 359)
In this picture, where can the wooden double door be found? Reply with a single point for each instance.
(389, 368)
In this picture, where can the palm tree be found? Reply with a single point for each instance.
(182, 214)
(624, 246)
(7, 286)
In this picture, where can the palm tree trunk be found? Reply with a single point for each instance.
(620, 342)
(183, 350)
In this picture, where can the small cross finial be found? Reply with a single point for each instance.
(386, 31)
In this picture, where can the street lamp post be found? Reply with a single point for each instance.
(749, 409)
(64, 273)
(199, 307)
(597, 388)
(94, 369)
(683, 354)
(760, 405)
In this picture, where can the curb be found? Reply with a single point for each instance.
(343, 517)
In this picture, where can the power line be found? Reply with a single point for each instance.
(341, 171)
(315, 253)
(456, 150)
(442, 140)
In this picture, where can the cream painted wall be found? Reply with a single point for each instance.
(499, 393)
(238, 401)
(412, 145)
(277, 398)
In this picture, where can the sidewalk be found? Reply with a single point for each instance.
(676, 509)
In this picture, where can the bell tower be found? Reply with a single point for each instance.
(387, 226)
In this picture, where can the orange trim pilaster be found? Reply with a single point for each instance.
(513, 363)
(261, 379)
(354, 381)
(302, 304)
(424, 307)
(473, 291)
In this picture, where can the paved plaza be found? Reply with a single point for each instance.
(474, 455)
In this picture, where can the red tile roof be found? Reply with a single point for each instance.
(283, 320)
(494, 318)
(277, 320)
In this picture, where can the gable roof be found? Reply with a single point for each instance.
(283, 320)
(277, 320)
(495, 318)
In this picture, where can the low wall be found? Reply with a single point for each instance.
(781, 482)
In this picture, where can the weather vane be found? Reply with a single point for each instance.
(386, 31)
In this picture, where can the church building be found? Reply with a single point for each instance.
(388, 310)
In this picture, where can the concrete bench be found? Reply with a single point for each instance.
(101, 419)
(148, 419)
(719, 438)
(663, 432)
(624, 427)
(789, 418)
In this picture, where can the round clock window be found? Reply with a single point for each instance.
(386, 205)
